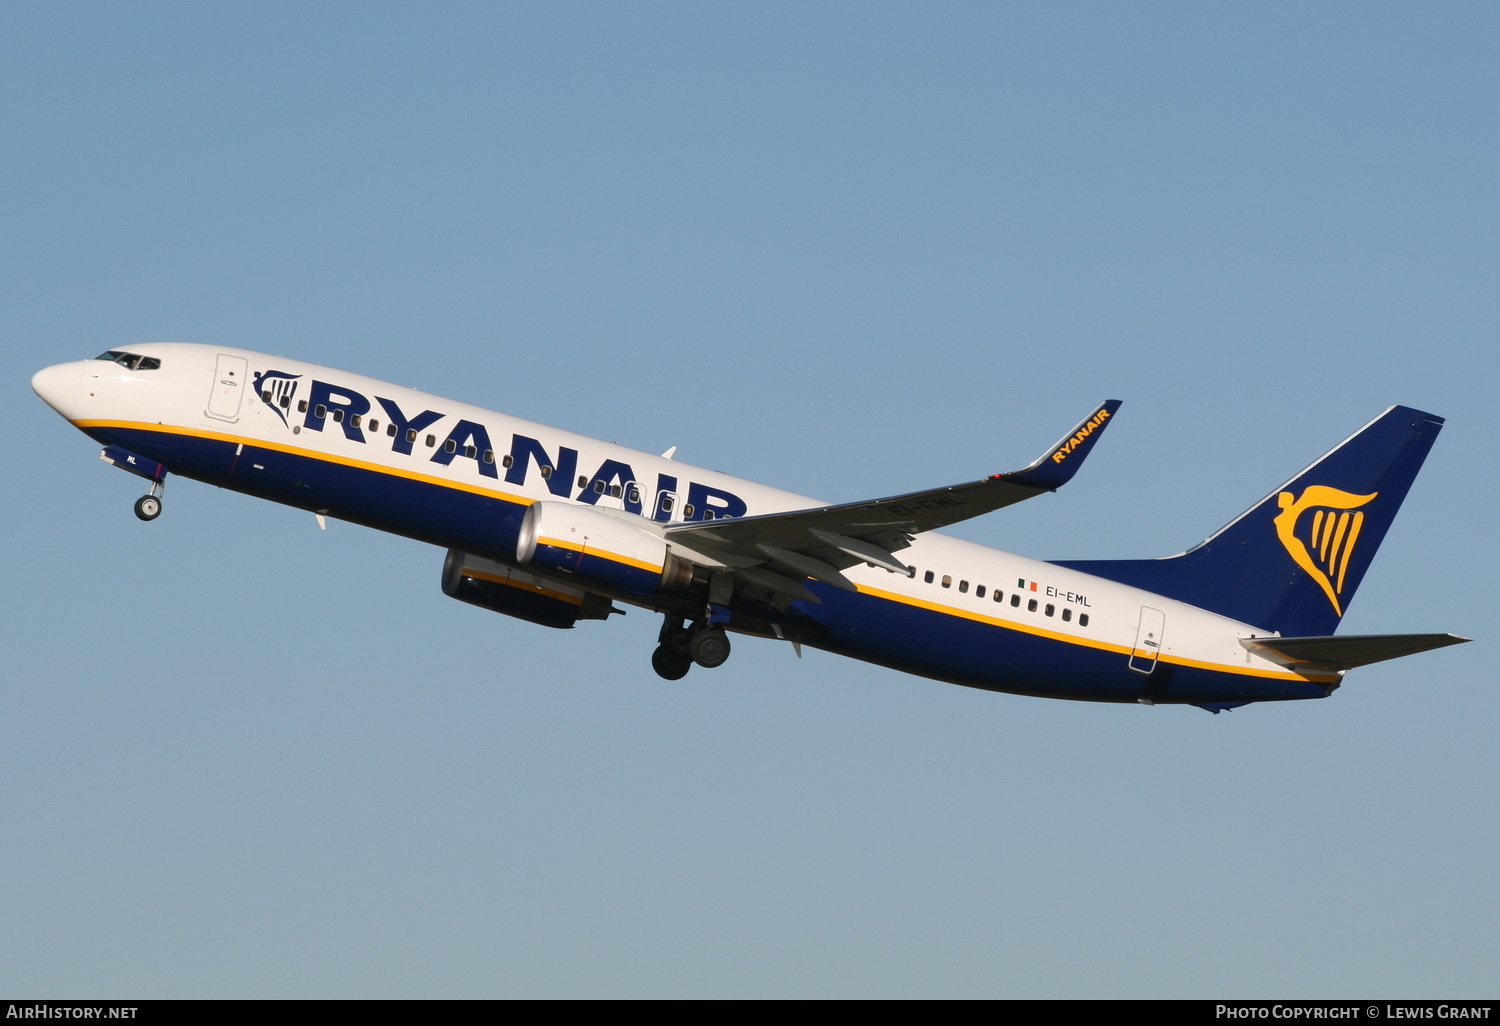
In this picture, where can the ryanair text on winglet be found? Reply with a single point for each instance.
(1062, 451)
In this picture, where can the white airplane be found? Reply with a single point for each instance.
(554, 528)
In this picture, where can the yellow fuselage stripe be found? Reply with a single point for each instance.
(1072, 639)
(294, 450)
(966, 614)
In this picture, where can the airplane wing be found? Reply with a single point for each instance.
(773, 552)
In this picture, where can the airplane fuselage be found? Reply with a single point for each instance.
(463, 478)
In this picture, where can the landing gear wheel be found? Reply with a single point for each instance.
(670, 665)
(709, 647)
(148, 507)
(677, 642)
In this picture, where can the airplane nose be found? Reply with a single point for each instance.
(58, 386)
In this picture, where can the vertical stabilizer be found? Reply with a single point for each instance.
(1292, 562)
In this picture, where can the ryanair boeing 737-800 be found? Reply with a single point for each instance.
(555, 528)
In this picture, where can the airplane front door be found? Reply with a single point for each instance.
(228, 387)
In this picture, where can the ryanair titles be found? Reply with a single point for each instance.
(1063, 451)
(527, 460)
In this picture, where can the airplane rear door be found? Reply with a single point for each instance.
(228, 387)
(1148, 640)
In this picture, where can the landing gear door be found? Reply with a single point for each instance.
(228, 387)
(1148, 637)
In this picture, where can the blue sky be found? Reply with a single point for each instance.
(847, 249)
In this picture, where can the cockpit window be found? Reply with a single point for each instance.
(130, 361)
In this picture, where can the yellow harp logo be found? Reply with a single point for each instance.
(1323, 544)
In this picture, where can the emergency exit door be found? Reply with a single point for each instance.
(1148, 637)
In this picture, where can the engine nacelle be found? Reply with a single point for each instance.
(616, 549)
(482, 582)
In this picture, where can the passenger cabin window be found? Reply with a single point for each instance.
(927, 577)
(1031, 606)
(1015, 599)
(1083, 619)
(963, 586)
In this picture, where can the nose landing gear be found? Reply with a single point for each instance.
(148, 506)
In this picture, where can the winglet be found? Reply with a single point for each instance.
(1058, 465)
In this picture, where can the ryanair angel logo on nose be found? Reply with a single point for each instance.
(1322, 543)
(276, 389)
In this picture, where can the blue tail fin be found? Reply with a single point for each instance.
(1292, 562)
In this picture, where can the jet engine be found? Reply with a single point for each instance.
(616, 549)
(504, 589)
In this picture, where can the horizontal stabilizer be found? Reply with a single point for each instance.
(1347, 652)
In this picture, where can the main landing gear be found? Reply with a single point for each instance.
(148, 506)
(680, 647)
